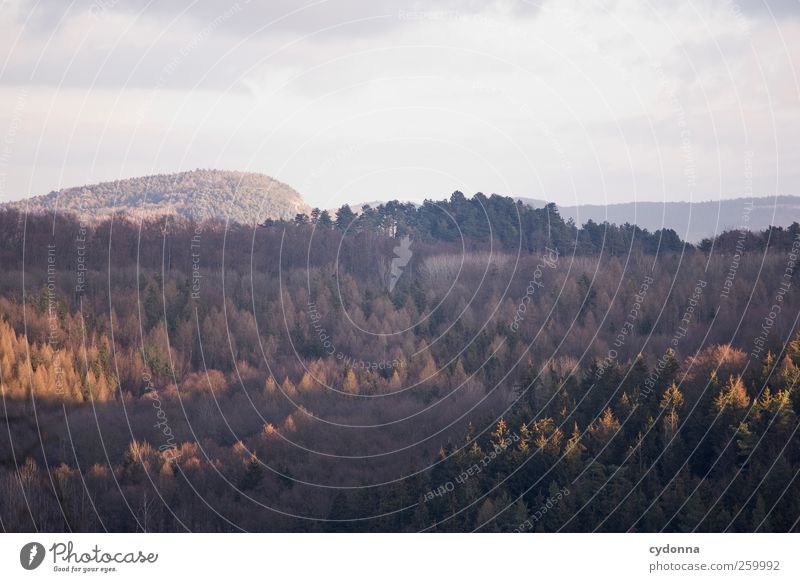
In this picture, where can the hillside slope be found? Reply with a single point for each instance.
(198, 194)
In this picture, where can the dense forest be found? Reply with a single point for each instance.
(520, 374)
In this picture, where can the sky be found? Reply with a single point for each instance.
(585, 102)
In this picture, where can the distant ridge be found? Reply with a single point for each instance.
(693, 221)
(249, 198)
(198, 194)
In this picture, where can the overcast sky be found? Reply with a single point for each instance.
(352, 100)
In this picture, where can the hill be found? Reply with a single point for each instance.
(693, 221)
(199, 195)
(196, 366)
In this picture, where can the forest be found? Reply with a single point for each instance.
(524, 374)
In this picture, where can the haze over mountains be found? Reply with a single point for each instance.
(693, 221)
(251, 198)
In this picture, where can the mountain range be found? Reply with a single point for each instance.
(251, 198)
(693, 221)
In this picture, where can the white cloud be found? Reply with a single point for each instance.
(507, 97)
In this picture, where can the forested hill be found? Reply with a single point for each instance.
(198, 195)
(270, 374)
(501, 223)
(493, 221)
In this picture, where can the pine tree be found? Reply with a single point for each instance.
(345, 218)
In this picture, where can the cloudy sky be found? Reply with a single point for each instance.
(349, 100)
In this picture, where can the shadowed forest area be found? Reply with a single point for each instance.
(524, 374)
